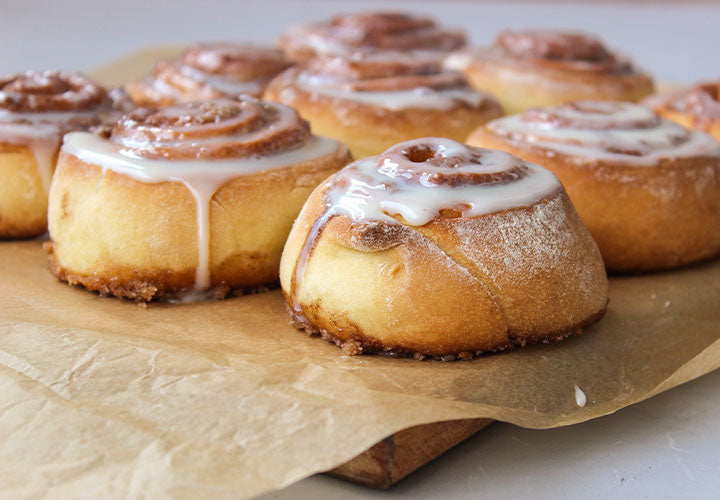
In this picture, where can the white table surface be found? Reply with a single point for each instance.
(667, 447)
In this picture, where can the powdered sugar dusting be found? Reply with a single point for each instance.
(515, 249)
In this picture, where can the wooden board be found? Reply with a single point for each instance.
(393, 458)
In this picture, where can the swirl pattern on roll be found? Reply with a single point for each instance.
(49, 91)
(215, 129)
(389, 80)
(605, 131)
(385, 31)
(208, 71)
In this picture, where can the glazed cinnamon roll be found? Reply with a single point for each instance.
(347, 34)
(376, 99)
(697, 107)
(36, 109)
(647, 188)
(434, 248)
(193, 198)
(208, 71)
(525, 69)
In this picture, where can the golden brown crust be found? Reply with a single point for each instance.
(157, 285)
(658, 217)
(356, 344)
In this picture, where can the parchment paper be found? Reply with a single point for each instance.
(102, 398)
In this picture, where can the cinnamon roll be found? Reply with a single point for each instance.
(525, 69)
(347, 34)
(36, 109)
(208, 71)
(697, 107)
(647, 188)
(197, 197)
(437, 249)
(376, 99)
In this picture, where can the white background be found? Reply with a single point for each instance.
(668, 447)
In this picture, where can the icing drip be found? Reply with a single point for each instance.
(386, 31)
(203, 146)
(605, 131)
(36, 109)
(417, 181)
(580, 397)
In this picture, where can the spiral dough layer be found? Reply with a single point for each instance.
(214, 129)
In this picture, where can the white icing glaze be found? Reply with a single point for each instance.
(41, 132)
(580, 397)
(202, 177)
(420, 97)
(378, 189)
(620, 132)
(458, 61)
(225, 85)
